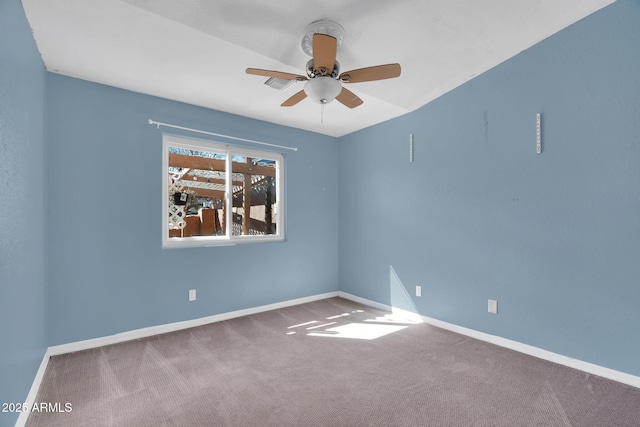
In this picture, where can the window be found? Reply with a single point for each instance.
(214, 194)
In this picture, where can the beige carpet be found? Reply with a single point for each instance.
(327, 363)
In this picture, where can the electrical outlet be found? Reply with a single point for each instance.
(418, 291)
(192, 295)
(493, 306)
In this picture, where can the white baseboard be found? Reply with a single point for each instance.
(560, 359)
(171, 327)
(33, 392)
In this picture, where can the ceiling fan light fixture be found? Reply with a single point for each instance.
(322, 90)
(324, 80)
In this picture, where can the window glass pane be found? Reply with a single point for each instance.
(196, 193)
(220, 195)
(255, 208)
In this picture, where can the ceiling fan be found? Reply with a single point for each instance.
(324, 80)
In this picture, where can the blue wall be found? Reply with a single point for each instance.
(22, 195)
(555, 238)
(108, 272)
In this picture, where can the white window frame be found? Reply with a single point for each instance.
(169, 140)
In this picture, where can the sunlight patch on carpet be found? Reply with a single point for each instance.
(361, 331)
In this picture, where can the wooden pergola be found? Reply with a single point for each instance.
(206, 178)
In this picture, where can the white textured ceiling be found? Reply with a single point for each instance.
(196, 51)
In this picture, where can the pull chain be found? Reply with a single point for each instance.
(321, 113)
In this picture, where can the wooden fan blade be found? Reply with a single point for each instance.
(294, 99)
(276, 74)
(349, 98)
(378, 72)
(324, 53)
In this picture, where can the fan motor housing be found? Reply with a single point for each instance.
(313, 72)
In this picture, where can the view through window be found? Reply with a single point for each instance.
(217, 194)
